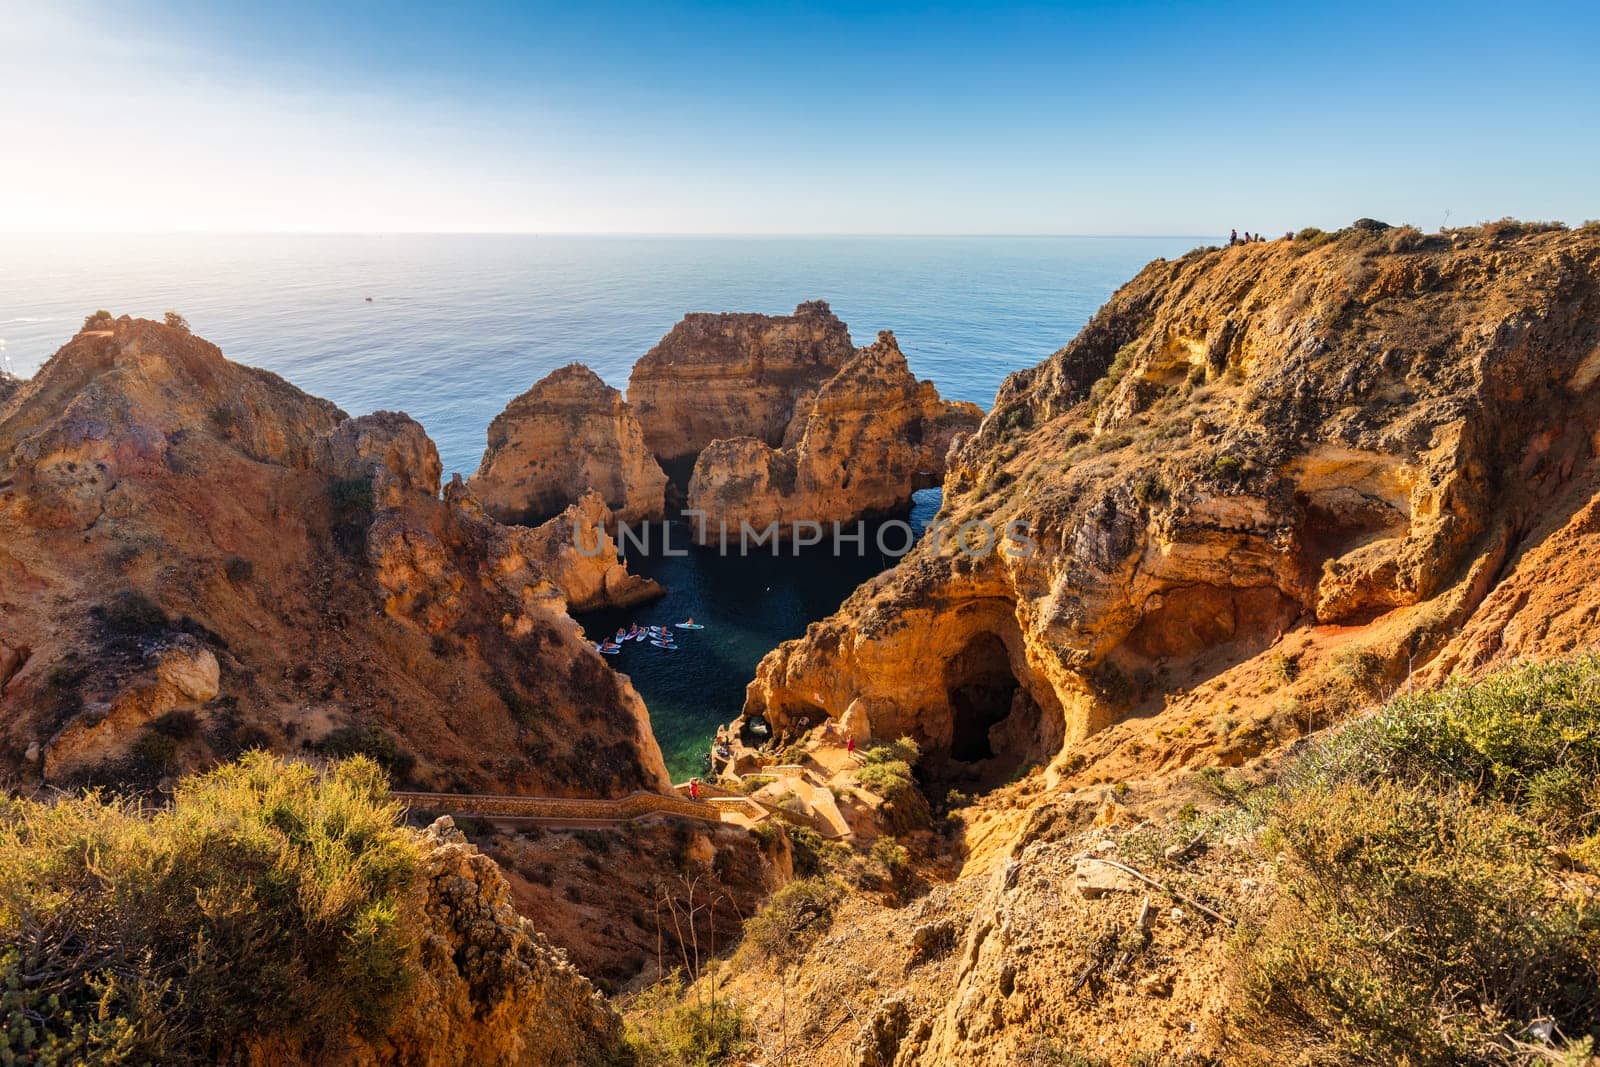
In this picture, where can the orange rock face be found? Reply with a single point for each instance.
(1277, 476)
(196, 557)
(715, 377)
(871, 436)
(568, 435)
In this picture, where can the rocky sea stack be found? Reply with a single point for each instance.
(870, 436)
(715, 377)
(569, 434)
(766, 419)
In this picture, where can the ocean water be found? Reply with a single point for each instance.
(458, 325)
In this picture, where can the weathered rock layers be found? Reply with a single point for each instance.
(196, 557)
(568, 435)
(1245, 454)
(871, 436)
(715, 377)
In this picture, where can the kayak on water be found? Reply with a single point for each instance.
(663, 644)
(689, 626)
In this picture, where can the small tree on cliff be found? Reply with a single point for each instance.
(176, 321)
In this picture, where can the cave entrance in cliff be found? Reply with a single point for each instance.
(982, 691)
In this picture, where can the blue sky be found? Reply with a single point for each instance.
(783, 118)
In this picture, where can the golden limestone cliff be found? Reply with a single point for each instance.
(197, 558)
(871, 436)
(714, 377)
(1268, 491)
(1259, 470)
(568, 435)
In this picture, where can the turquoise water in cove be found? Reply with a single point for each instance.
(457, 325)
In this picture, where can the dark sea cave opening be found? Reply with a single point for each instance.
(981, 689)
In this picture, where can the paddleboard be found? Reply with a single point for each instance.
(689, 626)
(663, 644)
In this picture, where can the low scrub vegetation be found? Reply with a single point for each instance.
(373, 742)
(267, 899)
(886, 772)
(670, 1027)
(1428, 910)
(792, 919)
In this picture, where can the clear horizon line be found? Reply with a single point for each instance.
(598, 233)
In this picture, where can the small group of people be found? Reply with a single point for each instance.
(1252, 238)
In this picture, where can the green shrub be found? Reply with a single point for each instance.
(266, 900)
(373, 742)
(1150, 491)
(809, 851)
(1227, 468)
(1311, 237)
(238, 569)
(153, 752)
(1360, 668)
(100, 320)
(1414, 926)
(1420, 916)
(891, 854)
(1529, 737)
(1510, 227)
(1118, 369)
(791, 919)
(352, 498)
(1405, 239)
(131, 614)
(887, 779)
(668, 1027)
(180, 725)
(904, 749)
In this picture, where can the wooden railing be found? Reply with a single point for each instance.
(636, 805)
(718, 805)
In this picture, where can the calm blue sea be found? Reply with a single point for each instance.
(458, 325)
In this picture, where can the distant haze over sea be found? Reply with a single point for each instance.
(458, 325)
